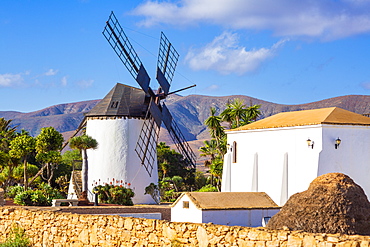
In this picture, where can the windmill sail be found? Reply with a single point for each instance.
(155, 113)
(166, 65)
(178, 138)
(117, 38)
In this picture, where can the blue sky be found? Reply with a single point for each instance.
(283, 51)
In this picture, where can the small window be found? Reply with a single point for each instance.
(185, 204)
(234, 150)
(114, 104)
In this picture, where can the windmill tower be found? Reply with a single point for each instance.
(127, 121)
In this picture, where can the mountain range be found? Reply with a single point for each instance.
(189, 112)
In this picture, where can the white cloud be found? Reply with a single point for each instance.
(51, 72)
(64, 81)
(8, 80)
(225, 56)
(325, 19)
(85, 83)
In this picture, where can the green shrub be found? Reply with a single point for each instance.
(113, 194)
(40, 197)
(170, 195)
(17, 238)
(208, 188)
(14, 190)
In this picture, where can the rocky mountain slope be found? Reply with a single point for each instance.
(189, 112)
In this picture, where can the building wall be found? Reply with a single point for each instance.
(180, 214)
(47, 228)
(352, 156)
(276, 161)
(246, 217)
(286, 165)
(116, 158)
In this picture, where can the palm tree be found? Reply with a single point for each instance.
(225, 115)
(209, 149)
(83, 143)
(253, 112)
(213, 123)
(216, 171)
(7, 133)
(238, 112)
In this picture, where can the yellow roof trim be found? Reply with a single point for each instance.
(332, 115)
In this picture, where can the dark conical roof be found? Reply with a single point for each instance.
(122, 100)
(333, 203)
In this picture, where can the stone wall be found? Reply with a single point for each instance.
(48, 228)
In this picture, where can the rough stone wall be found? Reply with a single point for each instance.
(2, 198)
(48, 228)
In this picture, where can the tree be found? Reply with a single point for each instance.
(172, 163)
(83, 143)
(236, 114)
(7, 133)
(209, 149)
(48, 144)
(213, 123)
(7, 163)
(20, 147)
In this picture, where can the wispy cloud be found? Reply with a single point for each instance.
(365, 85)
(50, 72)
(213, 87)
(85, 83)
(64, 81)
(327, 20)
(224, 55)
(9, 80)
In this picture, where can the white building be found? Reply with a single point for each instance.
(115, 122)
(282, 154)
(229, 208)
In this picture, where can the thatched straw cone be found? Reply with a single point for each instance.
(333, 203)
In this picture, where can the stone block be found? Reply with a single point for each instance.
(294, 241)
(309, 241)
(202, 237)
(128, 223)
(364, 244)
(273, 243)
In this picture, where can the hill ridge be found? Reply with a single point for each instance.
(189, 112)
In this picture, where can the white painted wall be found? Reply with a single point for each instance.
(303, 163)
(116, 158)
(352, 156)
(191, 214)
(270, 147)
(246, 217)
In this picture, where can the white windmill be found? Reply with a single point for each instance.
(126, 122)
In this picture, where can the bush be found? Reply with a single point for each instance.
(113, 194)
(14, 190)
(17, 238)
(40, 197)
(208, 188)
(170, 195)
